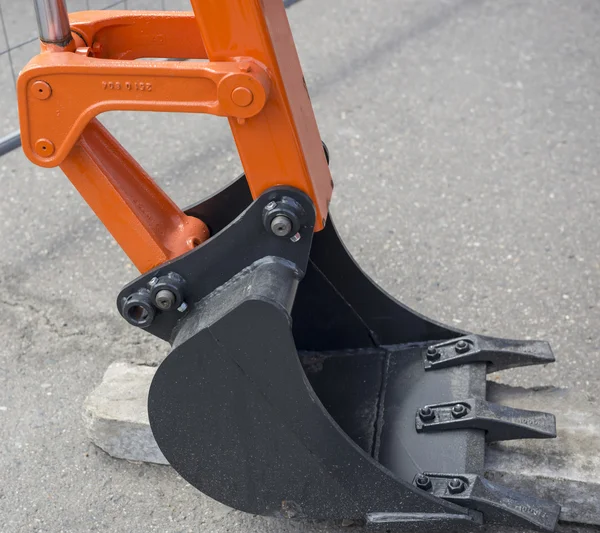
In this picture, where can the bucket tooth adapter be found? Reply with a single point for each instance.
(295, 386)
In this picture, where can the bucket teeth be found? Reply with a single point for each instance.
(498, 421)
(499, 354)
(493, 500)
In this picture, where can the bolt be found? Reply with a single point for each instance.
(459, 410)
(462, 347)
(456, 486)
(426, 414)
(295, 238)
(41, 90)
(423, 482)
(242, 96)
(153, 281)
(270, 206)
(44, 147)
(164, 299)
(245, 67)
(433, 353)
(182, 308)
(281, 226)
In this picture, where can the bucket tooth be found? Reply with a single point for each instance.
(499, 354)
(495, 501)
(498, 421)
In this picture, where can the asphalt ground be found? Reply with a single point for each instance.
(464, 142)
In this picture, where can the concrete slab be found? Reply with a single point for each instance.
(565, 469)
(115, 414)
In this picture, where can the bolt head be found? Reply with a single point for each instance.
(423, 482)
(164, 299)
(281, 226)
(456, 486)
(182, 308)
(296, 237)
(459, 410)
(426, 414)
(462, 347)
(270, 206)
(433, 354)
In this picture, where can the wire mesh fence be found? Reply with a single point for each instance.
(19, 43)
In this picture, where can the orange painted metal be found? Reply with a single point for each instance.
(138, 34)
(102, 85)
(149, 227)
(281, 145)
(254, 78)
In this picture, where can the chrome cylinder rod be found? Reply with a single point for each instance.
(53, 21)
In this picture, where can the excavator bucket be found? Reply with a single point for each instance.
(298, 388)
(295, 386)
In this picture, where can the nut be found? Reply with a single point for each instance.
(433, 354)
(459, 410)
(426, 414)
(456, 486)
(423, 482)
(462, 346)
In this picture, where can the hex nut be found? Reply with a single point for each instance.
(433, 354)
(426, 414)
(423, 482)
(456, 486)
(459, 410)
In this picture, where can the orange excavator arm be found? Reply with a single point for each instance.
(254, 80)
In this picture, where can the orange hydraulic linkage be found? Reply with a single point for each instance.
(253, 77)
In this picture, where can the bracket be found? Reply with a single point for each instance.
(237, 89)
(498, 421)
